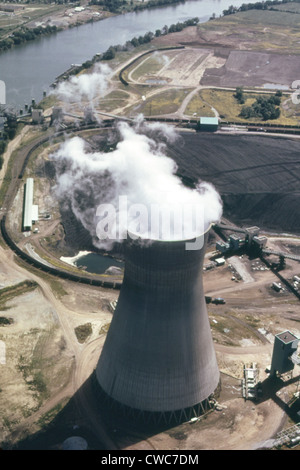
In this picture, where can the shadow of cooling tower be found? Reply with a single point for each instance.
(100, 425)
(88, 416)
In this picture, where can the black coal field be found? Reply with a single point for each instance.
(258, 177)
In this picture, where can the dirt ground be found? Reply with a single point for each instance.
(50, 315)
(42, 340)
(255, 30)
(195, 65)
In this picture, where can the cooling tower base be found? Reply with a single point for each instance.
(143, 417)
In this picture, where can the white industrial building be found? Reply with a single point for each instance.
(31, 212)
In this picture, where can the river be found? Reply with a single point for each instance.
(29, 69)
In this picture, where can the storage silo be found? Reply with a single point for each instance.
(158, 361)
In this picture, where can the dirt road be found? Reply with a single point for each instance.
(84, 360)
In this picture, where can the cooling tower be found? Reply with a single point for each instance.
(158, 358)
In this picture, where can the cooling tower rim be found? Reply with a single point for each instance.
(137, 236)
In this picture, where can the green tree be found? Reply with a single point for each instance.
(263, 108)
(239, 95)
(109, 54)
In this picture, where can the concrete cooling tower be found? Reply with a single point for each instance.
(158, 362)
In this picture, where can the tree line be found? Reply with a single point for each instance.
(138, 41)
(115, 6)
(264, 108)
(25, 34)
(110, 53)
(264, 5)
(10, 129)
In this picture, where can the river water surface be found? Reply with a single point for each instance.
(29, 69)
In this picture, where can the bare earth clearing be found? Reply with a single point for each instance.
(194, 65)
(239, 425)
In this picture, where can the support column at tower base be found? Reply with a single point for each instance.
(143, 417)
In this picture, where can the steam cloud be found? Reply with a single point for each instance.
(86, 86)
(137, 171)
(133, 187)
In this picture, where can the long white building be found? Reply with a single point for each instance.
(30, 213)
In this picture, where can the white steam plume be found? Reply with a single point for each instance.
(86, 86)
(139, 173)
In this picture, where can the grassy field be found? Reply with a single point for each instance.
(48, 102)
(229, 108)
(227, 330)
(199, 106)
(113, 100)
(166, 102)
(11, 292)
(257, 29)
(293, 7)
(150, 65)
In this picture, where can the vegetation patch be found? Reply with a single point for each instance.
(55, 285)
(228, 330)
(256, 30)
(164, 103)
(8, 293)
(149, 65)
(83, 332)
(224, 102)
(251, 106)
(48, 102)
(104, 329)
(10, 130)
(252, 321)
(46, 419)
(197, 106)
(37, 367)
(179, 435)
(113, 100)
(4, 321)
(263, 108)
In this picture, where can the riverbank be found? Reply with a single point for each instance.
(26, 22)
(20, 23)
(150, 78)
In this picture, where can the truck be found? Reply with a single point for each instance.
(218, 301)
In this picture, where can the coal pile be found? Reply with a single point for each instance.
(258, 177)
